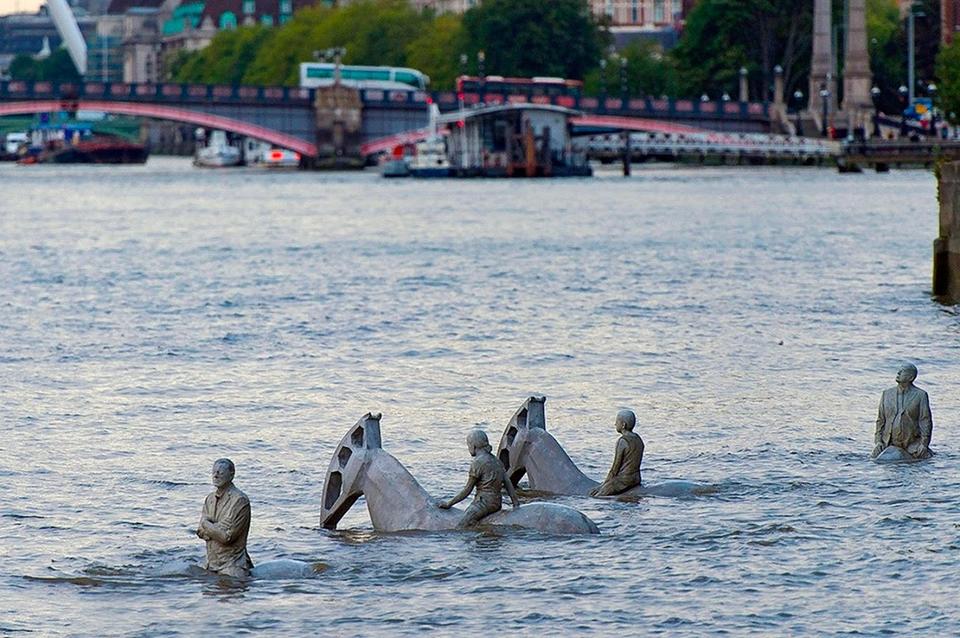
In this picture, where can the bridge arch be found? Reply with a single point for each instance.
(162, 112)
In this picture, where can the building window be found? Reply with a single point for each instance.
(659, 12)
(249, 6)
(635, 12)
(608, 8)
(228, 20)
(286, 7)
(266, 20)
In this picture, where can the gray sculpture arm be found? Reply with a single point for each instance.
(464, 493)
(226, 532)
(926, 420)
(878, 433)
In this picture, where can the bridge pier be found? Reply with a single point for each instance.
(946, 248)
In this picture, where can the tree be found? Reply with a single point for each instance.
(532, 37)
(948, 71)
(721, 36)
(648, 72)
(58, 67)
(436, 51)
(225, 59)
(376, 32)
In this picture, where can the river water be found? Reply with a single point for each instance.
(155, 318)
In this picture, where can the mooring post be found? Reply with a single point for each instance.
(626, 153)
(946, 247)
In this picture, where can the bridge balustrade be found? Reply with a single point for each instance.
(164, 92)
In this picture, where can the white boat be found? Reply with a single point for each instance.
(217, 152)
(278, 158)
(430, 159)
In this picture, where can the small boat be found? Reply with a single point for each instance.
(77, 144)
(278, 158)
(97, 150)
(430, 159)
(217, 152)
(395, 165)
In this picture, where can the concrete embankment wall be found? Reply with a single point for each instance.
(946, 248)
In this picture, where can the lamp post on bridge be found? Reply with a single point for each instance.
(875, 94)
(623, 80)
(603, 84)
(825, 100)
(903, 91)
(798, 101)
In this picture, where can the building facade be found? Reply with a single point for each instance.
(949, 19)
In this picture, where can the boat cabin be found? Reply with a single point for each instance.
(514, 140)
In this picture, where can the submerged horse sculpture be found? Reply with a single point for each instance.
(527, 448)
(396, 501)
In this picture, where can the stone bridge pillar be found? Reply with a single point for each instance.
(946, 248)
(339, 117)
(821, 64)
(857, 80)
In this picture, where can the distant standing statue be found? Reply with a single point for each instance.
(488, 476)
(904, 420)
(625, 471)
(224, 524)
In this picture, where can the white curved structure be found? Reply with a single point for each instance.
(66, 24)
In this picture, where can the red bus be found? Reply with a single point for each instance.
(519, 86)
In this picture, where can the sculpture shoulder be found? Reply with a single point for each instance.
(631, 439)
(238, 497)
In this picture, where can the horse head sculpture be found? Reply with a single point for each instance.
(397, 502)
(344, 483)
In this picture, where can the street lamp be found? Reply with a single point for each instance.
(824, 98)
(623, 78)
(904, 92)
(875, 94)
(932, 92)
(464, 59)
(704, 98)
(798, 101)
(603, 82)
(911, 49)
(725, 97)
(481, 58)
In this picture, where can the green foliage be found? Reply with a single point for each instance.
(887, 44)
(532, 37)
(436, 51)
(948, 70)
(721, 36)
(225, 60)
(376, 32)
(56, 68)
(648, 72)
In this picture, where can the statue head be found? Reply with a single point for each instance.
(907, 373)
(477, 441)
(223, 472)
(626, 420)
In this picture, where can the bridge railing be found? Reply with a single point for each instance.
(166, 92)
(628, 106)
(446, 100)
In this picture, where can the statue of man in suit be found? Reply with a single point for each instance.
(904, 418)
(225, 523)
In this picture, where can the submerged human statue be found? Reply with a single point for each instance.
(225, 523)
(904, 418)
(625, 471)
(488, 476)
